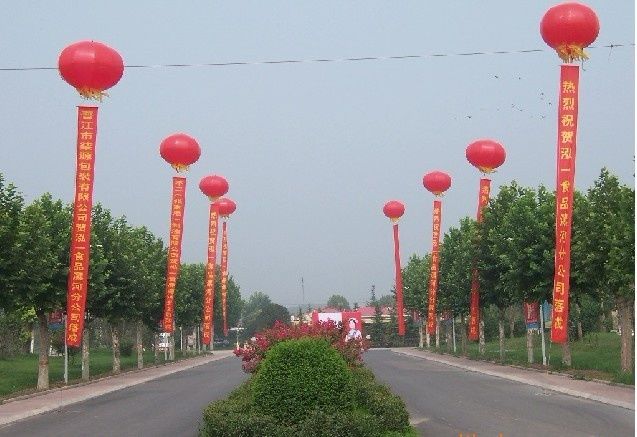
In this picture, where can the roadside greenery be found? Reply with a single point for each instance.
(308, 382)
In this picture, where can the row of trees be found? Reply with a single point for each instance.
(126, 281)
(514, 251)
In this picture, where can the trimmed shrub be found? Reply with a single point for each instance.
(300, 376)
(355, 423)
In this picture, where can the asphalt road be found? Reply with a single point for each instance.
(168, 406)
(448, 401)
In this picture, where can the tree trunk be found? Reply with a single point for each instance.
(463, 336)
(602, 318)
(156, 348)
(171, 347)
(448, 334)
(140, 346)
(428, 340)
(529, 346)
(43, 362)
(566, 351)
(86, 371)
(501, 332)
(512, 312)
(580, 332)
(481, 345)
(115, 338)
(437, 332)
(421, 336)
(625, 316)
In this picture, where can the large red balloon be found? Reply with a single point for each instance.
(180, 150)
(486, 155)
(225, 206)
(214, 186)
(91, 67)
(394, 209)
(437, 182)
(568, 28)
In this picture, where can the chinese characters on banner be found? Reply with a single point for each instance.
(566, 136)
(532, 315)
(81, 226)
(399, 284)
(174, 249)
(474, 311)
(224, 278)
(435, 263)
(209, 285)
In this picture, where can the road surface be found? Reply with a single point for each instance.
(449, 401)
(168, 406)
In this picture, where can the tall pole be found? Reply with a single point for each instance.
(66, 355)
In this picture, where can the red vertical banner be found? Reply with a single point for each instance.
(399, 284)
(474, 311)
(435, 264)
(566, 142)
(209, 284)
(224, 278)
(174, 249)
(80, 249)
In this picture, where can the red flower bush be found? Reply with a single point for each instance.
(255, 350)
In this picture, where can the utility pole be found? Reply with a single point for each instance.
(302, 291)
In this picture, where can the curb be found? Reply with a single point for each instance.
(528, 381)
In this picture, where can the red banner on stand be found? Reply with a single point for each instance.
(474, 311)
(174, 249)
(209, 284)
(80, 249)
(531, 313)
(435, 263)
(566, 142)
(224, 278)
(399, 284)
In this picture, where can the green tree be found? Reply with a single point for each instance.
(339, 302)
(604, 251)
(43, 251)
(264, 317)
(11, 204)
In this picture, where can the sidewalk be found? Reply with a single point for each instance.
(38, 403)
(620, 396)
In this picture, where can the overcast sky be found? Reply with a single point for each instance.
(312, 150)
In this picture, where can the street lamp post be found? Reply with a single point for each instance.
(237, 329)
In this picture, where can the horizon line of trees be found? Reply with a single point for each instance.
(126, 276)
(514, 251)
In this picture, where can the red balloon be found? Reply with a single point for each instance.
(214, 186)
(225, 206)
(437, 182)
(486, 155)
(180, 150)
(568, 28)
(91, 67)
(394, 209)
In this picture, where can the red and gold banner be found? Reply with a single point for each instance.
(77, 286)
(209, 284)
(174, 249)
(435, 264)
(224, 278)
(474, 311)
(399, 284)
(566, 141)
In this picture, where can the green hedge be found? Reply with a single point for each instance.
(299, 376)
(370, 409)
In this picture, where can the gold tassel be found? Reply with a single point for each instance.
(92, 93)
(571, 52)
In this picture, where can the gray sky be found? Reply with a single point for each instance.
(312, 150)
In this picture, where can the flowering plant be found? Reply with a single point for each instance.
(253, 352)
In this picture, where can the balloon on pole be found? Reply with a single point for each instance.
(568, 28)
(394, 210)
(180, 151)
(486, 155)
(213, 186)
(436, 182)
(225, 207)
(91, 68)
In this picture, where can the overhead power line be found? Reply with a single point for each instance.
(306, 61)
